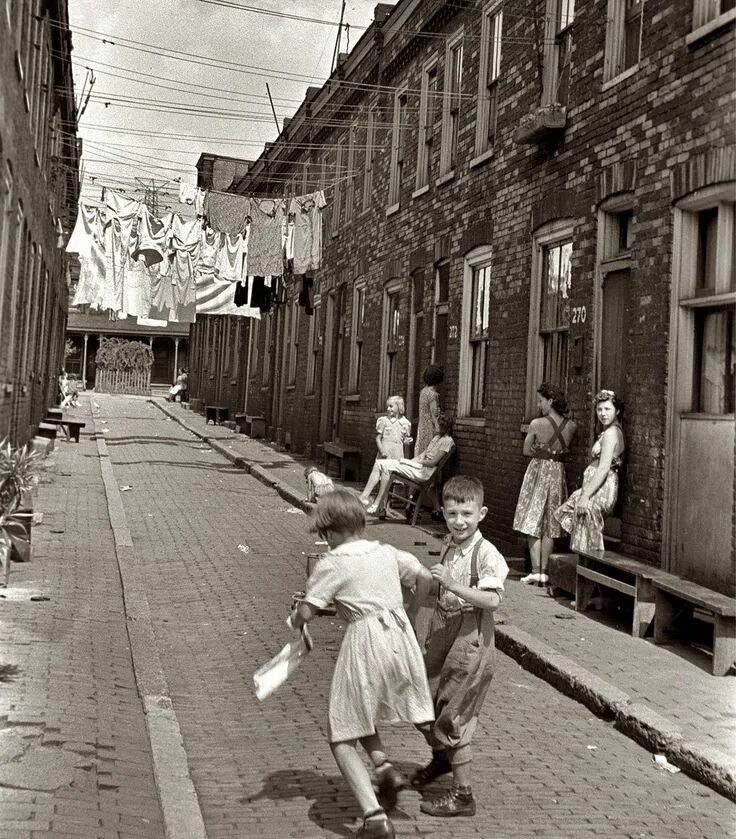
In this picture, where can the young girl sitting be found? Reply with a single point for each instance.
(379, 675)
(392, 431)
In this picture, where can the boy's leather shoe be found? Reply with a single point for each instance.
(438, 766)
(450, 804)
(390, 782)
(376, 829)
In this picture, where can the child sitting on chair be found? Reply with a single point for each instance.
(392, 431)
(421, 468)
(317, 483)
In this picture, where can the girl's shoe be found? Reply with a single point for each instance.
(530, 579)
(376, 828)
(542, 579)
(390, 783)
(371, 510)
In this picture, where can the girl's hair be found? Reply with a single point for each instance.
(310, 469)
(617, 402)
(340, 512)
(434, 374)
(550, 391)
(400, 406)
(445, 423)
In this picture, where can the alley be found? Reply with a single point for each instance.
(220, 554)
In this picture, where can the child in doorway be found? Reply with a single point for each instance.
(460, 647)
(379, 674)
(392, 431)
(317, 483)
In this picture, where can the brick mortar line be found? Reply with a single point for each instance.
(634, 719)
(176, 791)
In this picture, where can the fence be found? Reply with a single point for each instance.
(136, 382)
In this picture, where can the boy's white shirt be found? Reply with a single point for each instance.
(492, 570)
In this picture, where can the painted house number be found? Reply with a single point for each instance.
(452, 332)
(579, 314)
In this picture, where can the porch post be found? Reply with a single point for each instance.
(84, 362)
(176, 359)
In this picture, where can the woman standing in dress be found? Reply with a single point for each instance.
(544, 487)
(583, 514)
(429, 408)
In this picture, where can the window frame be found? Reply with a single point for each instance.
(479, 259)
(357, 316)
(552, 233)
(313, 344)
(451, 103)
(491, 51)
(398, 147)
(267, 351)
(389, 352)
(704, 22)
(350, 174)
(369, 160)
(425, 130)
(293, 342)
(554, 41)
(616, 31)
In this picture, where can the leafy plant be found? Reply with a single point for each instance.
(121, 354)
(18, 470)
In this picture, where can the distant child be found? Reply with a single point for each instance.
(460, 648)
(317, 483)
(379, 674)
(392, 431)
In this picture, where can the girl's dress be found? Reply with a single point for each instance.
(393, 431)
(379, 674)
(586, 530)
(429, 411)
(544, 488)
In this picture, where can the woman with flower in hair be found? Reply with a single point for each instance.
(583, 514)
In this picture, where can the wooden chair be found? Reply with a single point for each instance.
(418, 490)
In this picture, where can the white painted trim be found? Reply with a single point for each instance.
(476, 258)
(693, 38)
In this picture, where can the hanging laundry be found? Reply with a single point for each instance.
(189, 194)
(120, 225)
(214, 297)
(307, 213)
(184, 243)
(265, 248)
(230, 259)
(88, 242)
(151, 240)
(261, 295)
(226, 211)
(80, 242)
(306, 295)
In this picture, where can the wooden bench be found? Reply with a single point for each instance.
(255, 426)
(348, 459)
(620, 573)
(676, 600)
(54, 413)
(216, 413)
(418, 490)
(70, 427)
(47, 430)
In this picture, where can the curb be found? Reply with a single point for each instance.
(637, 721)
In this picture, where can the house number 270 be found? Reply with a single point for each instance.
(579, 314)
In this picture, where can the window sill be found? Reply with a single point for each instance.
(290, 387)
(394, 208)
(445, 179)
(423, 190)
(470, 422)
(352, 397)
(481, 158)
(619, 78)
(265, 387)
(309, 395)
(697, 35)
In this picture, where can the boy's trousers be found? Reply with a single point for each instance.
(460, 655)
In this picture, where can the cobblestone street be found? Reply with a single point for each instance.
(219, 554)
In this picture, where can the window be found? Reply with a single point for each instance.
(623, 36)
(370, 141)
(474, 332)
(313, 344)
(292, 345)
(399, 132)
(558, 51)
(550, 309)
(19, 261)
(356, 332)
(350, 175)
(488, 77)
(427, 119)
(267, 349)
(451, 103)
(709, 11)
(441, 308)
(6, 211)
(392, 341)
(255, 331)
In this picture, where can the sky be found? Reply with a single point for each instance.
(141, 94)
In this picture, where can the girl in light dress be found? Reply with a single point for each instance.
(379, 675)
(429, 407)
(583, 514)
(392, 431)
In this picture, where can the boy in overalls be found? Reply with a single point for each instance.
(460, 649)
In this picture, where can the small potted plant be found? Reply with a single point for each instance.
(18, 471)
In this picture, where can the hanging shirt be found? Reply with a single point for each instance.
(120, 226)
(184, 245)
(230, 259)
(91, 245)
(80, 242)
(265, 248)
(307, 213)
(226, 211)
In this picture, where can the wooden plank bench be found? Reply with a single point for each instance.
(47, 430)
(348, 459)
(70, 427)
(216, 413)
(255, 426)
(620, 573)
(676, 600)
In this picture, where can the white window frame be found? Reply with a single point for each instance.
(350, 175)
(390, 290)
(425, 130)
(267, 340)
(708, 15)
(340, 184)
(451, 100)
(313, 345)
(398, 147)
(616, 28)
(489, 74)
(555, 232)
(476, 259)
(370, 155)
(554, 38)
(20, 221)
(293, 342)
(6, 208)
(357, 339)
(255, 327)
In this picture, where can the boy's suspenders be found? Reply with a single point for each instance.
(473, 577)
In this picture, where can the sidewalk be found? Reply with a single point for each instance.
(663, 697)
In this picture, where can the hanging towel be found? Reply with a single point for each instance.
(227, 212)
(265, 245)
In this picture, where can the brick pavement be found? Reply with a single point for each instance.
(216, 613)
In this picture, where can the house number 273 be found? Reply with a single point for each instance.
(579, 314)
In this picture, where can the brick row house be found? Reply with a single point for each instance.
(520, 192)
(39, 188)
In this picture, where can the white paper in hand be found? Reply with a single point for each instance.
(272, 675)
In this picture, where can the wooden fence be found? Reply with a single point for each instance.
(136, 382)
